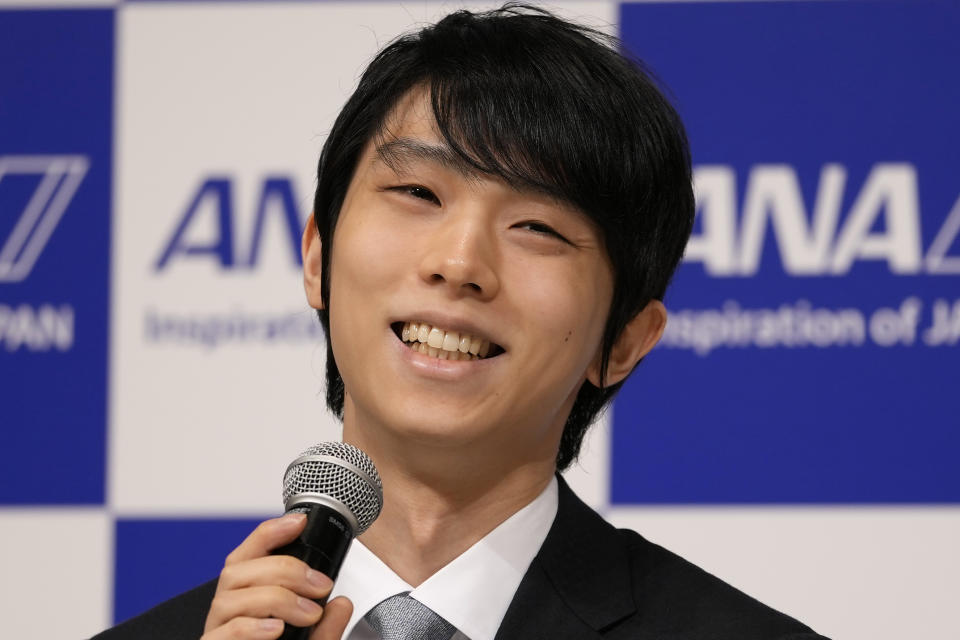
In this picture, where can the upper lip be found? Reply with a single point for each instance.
(448, 322)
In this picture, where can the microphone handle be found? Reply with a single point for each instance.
(323, 544)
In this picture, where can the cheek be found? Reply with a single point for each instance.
(356, 268)
(368, 254)
(569, 307)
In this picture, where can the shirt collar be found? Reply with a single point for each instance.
(474, 590)
(366, 581)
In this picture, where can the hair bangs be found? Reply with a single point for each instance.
(509, 141)
(504, 115)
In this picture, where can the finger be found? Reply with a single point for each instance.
(248, 628)
(268, 535)
(336, 615)
(281, 570)
(263, 602)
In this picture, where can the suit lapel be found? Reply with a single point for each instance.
(578, 584)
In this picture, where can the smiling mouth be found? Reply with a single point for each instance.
(444, 345)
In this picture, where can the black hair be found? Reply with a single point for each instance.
(541, 103)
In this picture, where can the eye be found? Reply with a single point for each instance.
(541, 229)
(417, 191)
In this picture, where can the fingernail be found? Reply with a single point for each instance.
(309, 606)
(291, 519)
(319, 580)
(271, 624)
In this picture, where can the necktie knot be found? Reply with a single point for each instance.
(401, 617)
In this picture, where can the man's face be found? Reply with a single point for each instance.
(421, 240)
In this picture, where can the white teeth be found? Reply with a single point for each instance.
(451, 341)
(449, 345)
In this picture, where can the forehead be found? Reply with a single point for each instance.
(412, 113)
(410, 136)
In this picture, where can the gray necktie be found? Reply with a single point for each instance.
(401, 617)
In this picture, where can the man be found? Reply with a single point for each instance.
(500, 206)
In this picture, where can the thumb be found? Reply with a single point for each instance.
(336, 615)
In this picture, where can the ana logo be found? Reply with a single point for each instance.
(276, 200)
(61, 175)
(817, 241)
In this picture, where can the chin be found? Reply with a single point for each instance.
(442, 433)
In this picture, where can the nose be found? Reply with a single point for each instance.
(460, 254)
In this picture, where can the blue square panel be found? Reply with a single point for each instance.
(56, 105)
(158, 559)
(813, 349)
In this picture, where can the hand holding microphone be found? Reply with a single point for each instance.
(283, 571)
(258, 592)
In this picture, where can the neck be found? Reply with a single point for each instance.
(438, 502)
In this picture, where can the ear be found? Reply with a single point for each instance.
(635, 341)
(310, 250)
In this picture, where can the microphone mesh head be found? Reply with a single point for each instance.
(337, 477)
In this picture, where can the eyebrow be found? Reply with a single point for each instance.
(400, 153)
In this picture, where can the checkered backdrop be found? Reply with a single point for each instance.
(795, 433)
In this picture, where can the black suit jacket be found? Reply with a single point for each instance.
(589, 580)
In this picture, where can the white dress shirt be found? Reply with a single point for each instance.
(472, 592)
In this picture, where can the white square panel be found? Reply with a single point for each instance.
(877, 573)
(56, 580)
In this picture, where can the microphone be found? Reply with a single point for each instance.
(338, 488)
